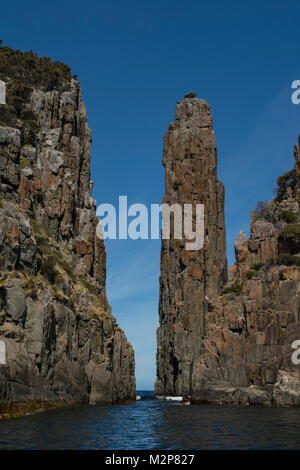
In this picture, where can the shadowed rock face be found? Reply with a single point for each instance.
(190, 280)
(62, 343)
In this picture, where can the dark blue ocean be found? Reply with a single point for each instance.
(154, 424)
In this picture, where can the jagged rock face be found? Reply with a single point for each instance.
(247, 354)
(190, 280)
(51, 177)
(62, 343)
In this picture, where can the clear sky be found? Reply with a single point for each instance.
(135, 60)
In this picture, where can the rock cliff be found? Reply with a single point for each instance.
(190, 280)
(252, 328)
(231, 343)
(62, 343)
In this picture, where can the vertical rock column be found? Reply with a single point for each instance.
(189, 280)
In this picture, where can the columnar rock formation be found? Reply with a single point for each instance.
(190, 280)
(237, 344)
(251, 346)
(62, 343)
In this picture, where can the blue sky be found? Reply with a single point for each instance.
(135, 60)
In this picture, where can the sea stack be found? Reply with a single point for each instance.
(190, 279)
(236, 343)
(60, 343)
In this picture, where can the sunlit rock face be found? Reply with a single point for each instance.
(253, 329)
(234, 341)
(190, 279)
(62, 343)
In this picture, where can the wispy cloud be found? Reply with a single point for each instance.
(265, 155)
(135, 275)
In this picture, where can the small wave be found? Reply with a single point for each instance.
(174, 398)
(179, 399)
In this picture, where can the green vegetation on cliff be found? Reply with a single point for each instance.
(23, 71)
(32, 70)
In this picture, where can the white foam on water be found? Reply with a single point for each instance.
(174, 398)
(138, 397)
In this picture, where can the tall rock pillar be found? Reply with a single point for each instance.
(189, 280)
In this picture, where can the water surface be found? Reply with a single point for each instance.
(154, 424)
